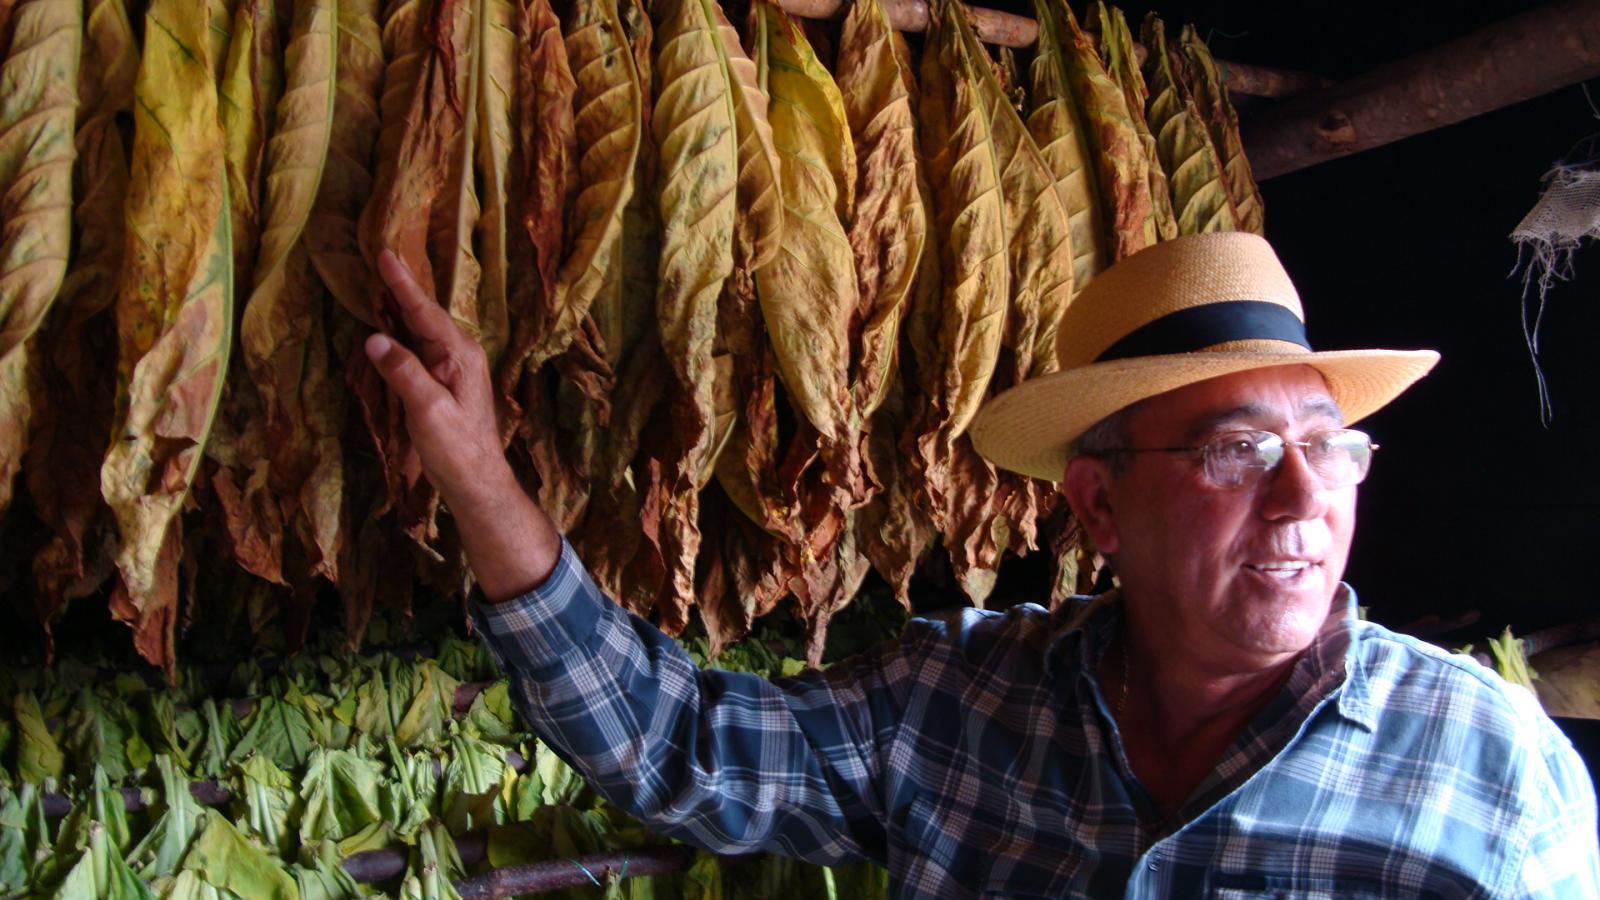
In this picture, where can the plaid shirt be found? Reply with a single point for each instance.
(977, 757)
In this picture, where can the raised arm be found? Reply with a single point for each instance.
(510, 543)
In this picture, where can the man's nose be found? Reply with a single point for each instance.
(1293, 489)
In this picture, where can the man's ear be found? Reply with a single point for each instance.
(1088, 485)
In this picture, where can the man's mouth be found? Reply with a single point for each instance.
(1285, 569)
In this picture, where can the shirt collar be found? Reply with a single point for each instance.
(1087, 624)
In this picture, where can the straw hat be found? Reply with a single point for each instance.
(1173, 314)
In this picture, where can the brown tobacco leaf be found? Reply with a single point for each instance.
(888, 230)
(1061, 129)
(330, 235)
(893, 529)
(607, 122)
(1205, 85)
(1116, 45)
(283, 334)
(424, 208)
(719, 204)
(250, 88)
(40, 74)
(1199, 195)
(958, 360)
(174, 314)
(79, 364)
(544, 184)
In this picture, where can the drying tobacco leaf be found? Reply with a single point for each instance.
(423, 208)
(1199, 195)
(705, 118)
(956, 357)
(1206, 87)
(1061, 128)
(174, 316)
(283, 334)
(248, 101)
(889, 227)
(40, 74)
(330, 234)
(80, 364)
(1116, 150)
(894, 531)
(496, 98)
(808, 291)
(607, 122)
(1116, 44)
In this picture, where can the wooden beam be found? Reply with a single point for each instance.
(1522, 57)
(1006, 30)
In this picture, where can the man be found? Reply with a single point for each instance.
(1221, 725)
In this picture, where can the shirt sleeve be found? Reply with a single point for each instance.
(1561, 855)
(729, 762)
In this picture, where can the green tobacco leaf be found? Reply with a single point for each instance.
(24, 834)
(38, 756)
(101, 874)
(409, 796)
(703, 880)
(98, 735)
(491, 716)
(340, 792)
(325, 879)
(562, 785)
(162, 848)
(431, 708)
(269, 801)
(225, 859)
(278, 729)
(473, 779)
(221, 733)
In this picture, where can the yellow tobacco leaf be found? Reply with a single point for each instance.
(1199, 197)
(282, 334)
(808, 291)
(607, 122)
(219, 37)
(174, 310)
(40, 74)
(1121, 165)
(1116, 43)
(330, 235)
(496, 98)
(1211, 96)
(719, 204)
(248, 100)
(1061, 128)
(79, 361)
(888, 230)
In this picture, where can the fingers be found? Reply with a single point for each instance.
(405, 374)
(426, 318)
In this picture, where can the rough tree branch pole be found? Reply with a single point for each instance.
(1522, 57)
(1006, 30)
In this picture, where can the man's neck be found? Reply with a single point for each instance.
(1181, 713)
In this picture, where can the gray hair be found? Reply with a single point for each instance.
(1106, 439)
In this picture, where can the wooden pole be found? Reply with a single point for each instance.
(1522, 57)
(1006, 30)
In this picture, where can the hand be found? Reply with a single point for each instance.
(445, 388)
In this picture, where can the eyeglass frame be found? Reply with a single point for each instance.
(1218, 440)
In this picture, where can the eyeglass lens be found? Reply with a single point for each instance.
(1338, 457)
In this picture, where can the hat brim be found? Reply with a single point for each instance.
(1029, 428)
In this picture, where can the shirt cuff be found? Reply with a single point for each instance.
(537, 629)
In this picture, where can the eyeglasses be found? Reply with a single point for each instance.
(1339, 457)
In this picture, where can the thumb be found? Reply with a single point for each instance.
(404, 373)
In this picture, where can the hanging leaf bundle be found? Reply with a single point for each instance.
(742, 290)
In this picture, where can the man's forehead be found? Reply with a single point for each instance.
(1263, 398)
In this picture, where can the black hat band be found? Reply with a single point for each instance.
(1198, 327)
